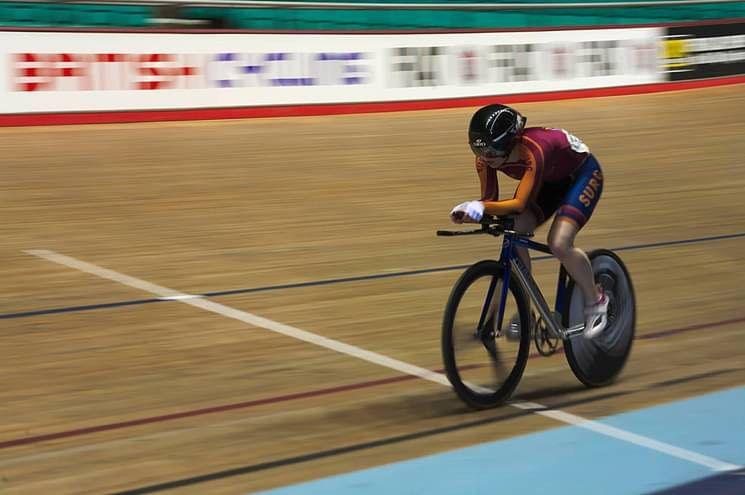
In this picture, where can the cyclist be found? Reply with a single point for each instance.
(557, 174)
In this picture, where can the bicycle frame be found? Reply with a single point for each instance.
(510, 262)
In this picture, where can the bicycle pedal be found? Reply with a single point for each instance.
(575, 330)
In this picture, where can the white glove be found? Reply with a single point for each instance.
(472, 209)
(475, 210)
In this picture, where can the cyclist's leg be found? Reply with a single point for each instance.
(527, 221)
(532, 217)
(575, 211)
(547, 201)
(575, 260)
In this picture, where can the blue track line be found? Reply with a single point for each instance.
(72, 309)
(331, 281)
(449, 268)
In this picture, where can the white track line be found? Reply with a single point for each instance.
(180, 297)
(375, 358)
(236, 314)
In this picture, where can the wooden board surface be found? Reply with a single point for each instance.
(152, 392)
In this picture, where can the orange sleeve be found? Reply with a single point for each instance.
(526, 189)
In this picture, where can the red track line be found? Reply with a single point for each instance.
(40, 119)
(283, 398)
(665, 333)
(199, 412)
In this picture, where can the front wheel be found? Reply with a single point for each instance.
(598, 361)
(482, 363)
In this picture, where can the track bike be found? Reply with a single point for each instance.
(488, 324)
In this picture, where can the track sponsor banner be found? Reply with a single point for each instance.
(64, 72)
(704, 51)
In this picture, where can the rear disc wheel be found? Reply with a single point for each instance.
(598, 361)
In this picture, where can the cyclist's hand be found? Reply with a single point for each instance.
(470, 211)
(458, 212)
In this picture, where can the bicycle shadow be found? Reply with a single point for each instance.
(550, 392)
(444, 404)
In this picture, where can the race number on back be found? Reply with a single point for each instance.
(574, 142)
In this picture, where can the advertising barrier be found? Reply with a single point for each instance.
(697, 52)
(62, 77)
(79, 72)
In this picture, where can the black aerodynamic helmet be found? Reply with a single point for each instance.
(492, 131)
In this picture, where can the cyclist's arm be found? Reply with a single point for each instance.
(525, 191)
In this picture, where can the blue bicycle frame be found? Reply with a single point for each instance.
(510, 262)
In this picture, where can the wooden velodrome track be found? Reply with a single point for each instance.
(100, 398)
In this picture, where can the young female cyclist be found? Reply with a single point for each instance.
(557, 174)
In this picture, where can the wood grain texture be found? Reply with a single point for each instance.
(210, 206)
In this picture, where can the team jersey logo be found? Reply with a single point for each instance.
(590, 191)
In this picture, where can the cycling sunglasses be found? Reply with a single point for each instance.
(480, 148)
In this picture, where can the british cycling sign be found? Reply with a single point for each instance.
(58, 72)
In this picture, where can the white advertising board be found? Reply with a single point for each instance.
(74, 72)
